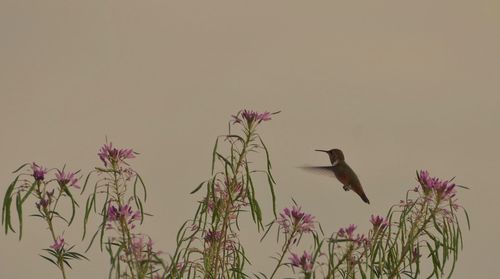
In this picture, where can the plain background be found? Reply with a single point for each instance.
(398, 85)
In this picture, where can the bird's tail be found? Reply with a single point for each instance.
(364, 198)
(361, 193)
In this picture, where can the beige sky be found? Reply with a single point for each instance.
(398, 85)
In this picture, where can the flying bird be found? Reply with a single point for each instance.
(342, 172)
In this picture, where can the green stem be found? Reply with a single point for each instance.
(123, 224)
(227, 209)
(286, 246)
(51, 228)
(413, 236)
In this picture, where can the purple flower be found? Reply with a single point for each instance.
(444, 189)
(38, 172)
(43, 203)
(111, 155)
(361, 240)
(347, 232)
(212, 236)
(296, 220)
(124, 211)
(67, 178)
(379, 222)
(113, 214)
(58, 243)
(304, 262)
(138, 247)
(415, 255)
(251, 116)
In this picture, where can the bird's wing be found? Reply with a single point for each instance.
(325, 170)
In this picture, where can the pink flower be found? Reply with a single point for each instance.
(347, 232)
(124, 211)
(444, 189)
(58, 243)
(304, 262)
(296, 220)
(212, 236)
(38, 172)
(379, 222)
(67, 179)
(140, 248)
(251, 116)
(42, 203)
(111, 155)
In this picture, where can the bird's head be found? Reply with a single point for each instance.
(336, 155)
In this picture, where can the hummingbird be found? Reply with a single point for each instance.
(342, 172)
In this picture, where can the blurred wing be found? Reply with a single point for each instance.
(324, 170)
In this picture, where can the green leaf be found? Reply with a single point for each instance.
(88, 208)
(65, 189)
(197, 188)
(86, 181)
(6, 203)
(29, 191)
(143, 185)
(214, 152)
(19, 208)
(50, 260)
(22, 166)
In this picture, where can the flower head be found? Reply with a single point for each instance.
(347, 232)
(111, 155)
(379, 222)
(251, 116)
(58, 243)
(296, 220)
(141, 248)
(444, 189)
(67, 178)
(124, 211)
(38, 172)
(304, 262)
(212, 235)
(42, 203)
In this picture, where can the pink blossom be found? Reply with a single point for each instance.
(58, 243)
(379, 222)
(111, 155)
(347, 232)
(296, 220)
(212, 236)
(124, 211)
(38, 172)
(67, 178)
(251, 116)
(304, 262)
(444, 189)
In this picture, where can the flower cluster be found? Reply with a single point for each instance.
(251, 117)
(111, 155)
(67, 179)
(378, 222)
(348, 233)
(45, 193)
(115, 214)
(38, 172)
(295, 220)
(227, 196)
(58, 243)
(212, 236)
(304, 262)
(141, 249)
(444, 189)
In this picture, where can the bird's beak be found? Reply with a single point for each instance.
(321, 150)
